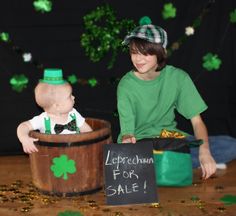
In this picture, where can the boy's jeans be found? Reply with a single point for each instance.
(223, 149)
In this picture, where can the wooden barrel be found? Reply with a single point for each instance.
(70, 164)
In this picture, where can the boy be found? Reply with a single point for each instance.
(54, 96)
(149, 94)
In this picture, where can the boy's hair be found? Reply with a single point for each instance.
(148, 48)
(46, 95)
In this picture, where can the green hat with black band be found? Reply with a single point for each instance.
(53, 76)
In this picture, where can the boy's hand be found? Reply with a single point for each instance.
(208, 165)
(128, 139)
(28, 145)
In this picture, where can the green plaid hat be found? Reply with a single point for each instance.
(151, 33)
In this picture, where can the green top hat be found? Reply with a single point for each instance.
(53, 76)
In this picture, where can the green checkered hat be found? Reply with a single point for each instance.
(148, 32)
(53, 76)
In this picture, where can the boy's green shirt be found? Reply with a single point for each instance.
(147, 107)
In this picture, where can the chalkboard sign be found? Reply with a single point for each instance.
(129, 174)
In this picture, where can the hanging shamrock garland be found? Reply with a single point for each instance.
(188, 30)
(98, 40)
(42, 5)
(19, 82)
(169, 11)
(4, 36)
(211, 62)
(232, 16)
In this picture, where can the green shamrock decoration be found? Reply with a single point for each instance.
(92, 82)
(19, 82)
(72, 79)
(42, 5)
(211, 62)
(62, 165)
(4, 36)
(232, 16)
(70, 213)
(99, 39)
(228, 199)
(169, 11)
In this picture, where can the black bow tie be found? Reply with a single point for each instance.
(69, 126)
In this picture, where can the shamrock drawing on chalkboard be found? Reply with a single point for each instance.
(211, 62)
(62, 165)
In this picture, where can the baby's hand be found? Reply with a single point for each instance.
(28, 145)
(128, 139)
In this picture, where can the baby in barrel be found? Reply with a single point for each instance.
(54, 95)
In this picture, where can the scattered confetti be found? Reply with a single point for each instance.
(219, 188)
(118, 214)
(221, 209)
(195, 198)
(155, 205)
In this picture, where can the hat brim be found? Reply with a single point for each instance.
(126, 41)
(54, 82)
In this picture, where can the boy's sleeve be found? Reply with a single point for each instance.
(79, 118)
(37, 122)
(125, 110)
(189, 102)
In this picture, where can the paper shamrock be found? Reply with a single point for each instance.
(72, 79)
(70, 213)
(232, 16)
(4, 36)
(169, 11)
(62, 165)
(228, 199)
(19, 82)
(211, 62)
(92, 82)
(43, 5)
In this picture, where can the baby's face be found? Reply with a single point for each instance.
(65, 100)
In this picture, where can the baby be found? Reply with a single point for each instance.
(54, 95)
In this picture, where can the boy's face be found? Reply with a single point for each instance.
(143, 63)
(65, 100)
